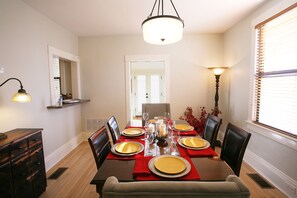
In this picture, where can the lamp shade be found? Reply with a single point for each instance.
(162, 30)
(218, 70)
(21, 96)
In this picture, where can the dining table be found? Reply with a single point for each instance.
(205, 164)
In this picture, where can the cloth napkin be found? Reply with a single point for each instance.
(188, 133)
(112, 156)
(142, 172)
(122, 137)
(208, 152)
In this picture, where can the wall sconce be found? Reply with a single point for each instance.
(20, 96)
(217, 71)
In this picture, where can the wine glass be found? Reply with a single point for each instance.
(167, 117)
(150, 140)
(170, 129)
(145, 117)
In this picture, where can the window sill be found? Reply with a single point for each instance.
(69, 104)
(273, 135)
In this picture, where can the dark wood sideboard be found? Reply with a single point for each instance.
(22, 167)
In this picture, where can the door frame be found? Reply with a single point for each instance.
(132, 58)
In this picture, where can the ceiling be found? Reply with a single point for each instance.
(118, 17)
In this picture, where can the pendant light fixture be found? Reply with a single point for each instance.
(162, 29)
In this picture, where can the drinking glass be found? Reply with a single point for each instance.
(150, 140)
(170, 129)
(145, 117)
(167, 117)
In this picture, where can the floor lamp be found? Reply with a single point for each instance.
(217, 71)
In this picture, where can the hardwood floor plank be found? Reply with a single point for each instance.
(75, 181)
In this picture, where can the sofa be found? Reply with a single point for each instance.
(232, 187)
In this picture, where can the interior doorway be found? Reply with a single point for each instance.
(148, 84)
(147, 81)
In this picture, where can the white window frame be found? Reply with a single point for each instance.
(264, 131)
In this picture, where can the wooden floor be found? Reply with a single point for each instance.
(75, 181)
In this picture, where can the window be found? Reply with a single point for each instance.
(275, 103)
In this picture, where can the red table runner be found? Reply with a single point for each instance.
(142, 172)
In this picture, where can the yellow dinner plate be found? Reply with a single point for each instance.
(128, 147)
(193, 142)
(170, 165)
(152, 121)
(183, 127)
(133, 131)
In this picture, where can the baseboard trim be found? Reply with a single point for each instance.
(280, 180)
(86, 135)
(61, 152)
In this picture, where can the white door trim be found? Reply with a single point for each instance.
(131, 58)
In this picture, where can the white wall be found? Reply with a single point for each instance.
(24, 38)
(274, 156)
(103, 72)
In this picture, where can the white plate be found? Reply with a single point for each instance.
(126, 154)
(151, 166)
(207, 144)
(133, 135)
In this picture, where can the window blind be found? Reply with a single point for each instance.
(57, 78)
(276, 72)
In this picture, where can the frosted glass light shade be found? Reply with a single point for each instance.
(218, 70)
(21, 96)
(162, 30)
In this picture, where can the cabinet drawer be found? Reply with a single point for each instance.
(39, 182)
(23, 189)
(19, 147)
(21, 167)
(4, 155)
(6, 189)
(37, 160)
(35, 140)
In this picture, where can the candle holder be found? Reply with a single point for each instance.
(162, 134)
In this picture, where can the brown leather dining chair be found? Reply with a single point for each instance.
(113, 129)
(100, 145)
(234, 146)
(211, 129)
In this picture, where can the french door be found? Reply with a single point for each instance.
(147, 88)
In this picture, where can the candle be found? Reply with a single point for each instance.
(151, 128)
(162, 130)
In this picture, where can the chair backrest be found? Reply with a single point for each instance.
(113, 129)
(232, 187)
(211, 129)
(100, 145)
(156, 109)
(234, 146)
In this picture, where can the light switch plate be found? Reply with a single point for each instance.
(1, 70)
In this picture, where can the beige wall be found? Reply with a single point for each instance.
(274, 156)
(24, 38)
(103, 72)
